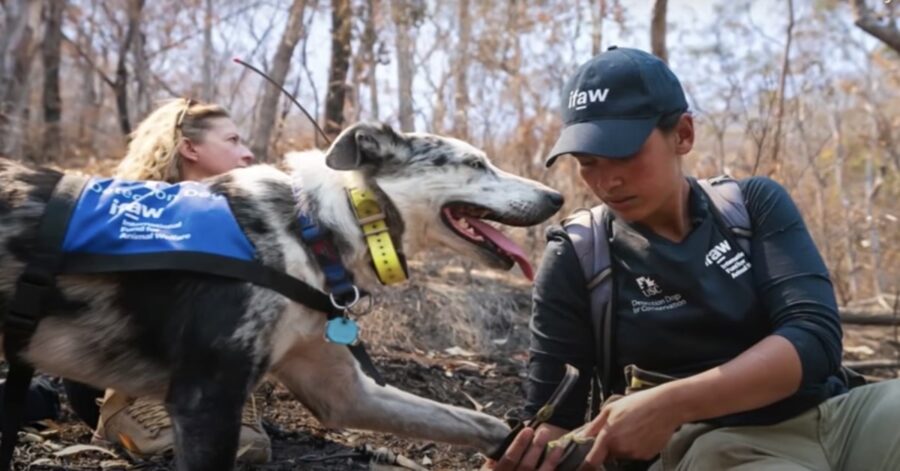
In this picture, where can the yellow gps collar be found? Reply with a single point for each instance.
(371, 219)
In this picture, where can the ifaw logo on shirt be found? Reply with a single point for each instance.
(735, 266)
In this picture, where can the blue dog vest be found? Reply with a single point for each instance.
(101, 225)
(119, 217)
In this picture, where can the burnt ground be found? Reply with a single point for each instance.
(423, 337)
(299, 442)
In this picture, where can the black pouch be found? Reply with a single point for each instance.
(852, 378)
(637, 379)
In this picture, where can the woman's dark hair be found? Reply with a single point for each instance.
(668, 121)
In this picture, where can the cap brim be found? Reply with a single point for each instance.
(611, 138)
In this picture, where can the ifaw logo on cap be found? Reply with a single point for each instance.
(581, 99)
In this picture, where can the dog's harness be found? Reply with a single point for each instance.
(67, 244)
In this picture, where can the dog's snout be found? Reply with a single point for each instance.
(555, 199)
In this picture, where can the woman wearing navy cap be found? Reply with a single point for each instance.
(746, 336)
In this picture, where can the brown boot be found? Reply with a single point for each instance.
(142, 426)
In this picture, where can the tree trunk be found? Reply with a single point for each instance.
(18, 45)
(268, 108)
(340, 64)
(370, 38)
(461, 69)
(364, 63)
(120, 85)
(89, 100)
(872, 219)
(401, 17)
(598, 14)
(840, 156)
(52, 102)
(209, 87)
(141, 70)
(658, 30)
(785, 70)
(869, 22)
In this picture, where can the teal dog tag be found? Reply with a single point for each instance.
(341, 330)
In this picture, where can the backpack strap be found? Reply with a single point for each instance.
(588, 231)
(728, 208)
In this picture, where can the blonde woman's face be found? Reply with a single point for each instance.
(220, 150)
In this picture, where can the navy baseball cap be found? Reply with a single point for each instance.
(614, 101)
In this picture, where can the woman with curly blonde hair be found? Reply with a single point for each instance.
(184, 140)
(181, 140)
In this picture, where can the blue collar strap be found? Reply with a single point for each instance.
(337, 278)
(342, 292)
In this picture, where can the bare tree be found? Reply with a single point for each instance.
(847, 217)
(90, 97)
(281, 63)
(50, 51)
(785, 70)
(461, 70)
(369, 40)
(658, 30)
(598, 14)
(872, 185)
(883, 27)
(18, 45)
(340, 64)
(141, 70)
(364, 62)
(209, 86)
(120, 84)
(401, 15)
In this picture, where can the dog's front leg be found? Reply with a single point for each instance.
(327, 379)
(206, 415)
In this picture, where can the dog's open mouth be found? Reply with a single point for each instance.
(466, 221)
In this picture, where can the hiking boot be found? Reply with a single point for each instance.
(142, 426)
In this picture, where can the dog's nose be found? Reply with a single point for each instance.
(556, 199)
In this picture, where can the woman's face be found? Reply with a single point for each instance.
(637, 187)
(220, 150)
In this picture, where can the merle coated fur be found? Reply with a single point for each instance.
(203, 342)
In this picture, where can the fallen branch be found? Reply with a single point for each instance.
(863, 365)
(868, 318)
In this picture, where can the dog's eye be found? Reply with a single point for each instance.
(476, 164)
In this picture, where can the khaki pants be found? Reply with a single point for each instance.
(858, 431)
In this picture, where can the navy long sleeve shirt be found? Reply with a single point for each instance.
(685, 307)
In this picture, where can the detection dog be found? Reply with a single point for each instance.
(202, 342)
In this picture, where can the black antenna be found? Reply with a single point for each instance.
(313, 121)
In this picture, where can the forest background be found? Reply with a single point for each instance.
(803, 91)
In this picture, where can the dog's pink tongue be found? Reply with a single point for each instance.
(509, 247)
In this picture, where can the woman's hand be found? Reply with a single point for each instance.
(637, 426)
(525, 451)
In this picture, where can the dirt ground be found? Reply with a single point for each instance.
(424, 338)
(299, 442)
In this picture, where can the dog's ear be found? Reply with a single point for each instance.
(361, 145)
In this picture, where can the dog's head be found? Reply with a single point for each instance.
(446, 188)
